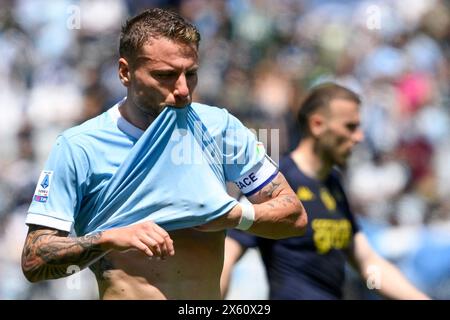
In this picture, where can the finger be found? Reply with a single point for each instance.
(168, 242)
(142, 246)
(167, 246)
(154, 242)
(163, 233)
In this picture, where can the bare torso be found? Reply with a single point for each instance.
(192, 273)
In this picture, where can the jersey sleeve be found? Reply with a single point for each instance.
(55, 202)
(245, 160)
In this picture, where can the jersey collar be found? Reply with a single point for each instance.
(124, 125)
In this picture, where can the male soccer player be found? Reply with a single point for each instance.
(113, 176)
(312, 266)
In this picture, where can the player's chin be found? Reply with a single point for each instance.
(182, 103)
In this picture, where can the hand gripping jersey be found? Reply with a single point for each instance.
(106, 173)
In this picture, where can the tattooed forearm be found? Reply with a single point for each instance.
(276, 193)
(270, 189)
(48, 253)
(278, 211)
(68, 250)
(283, 201)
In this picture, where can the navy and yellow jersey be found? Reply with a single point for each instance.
(311, 266)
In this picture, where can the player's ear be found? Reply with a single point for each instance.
(124, 72)
(316, 124)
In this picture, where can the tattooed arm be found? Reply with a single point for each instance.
(48, 252)
(278, 212)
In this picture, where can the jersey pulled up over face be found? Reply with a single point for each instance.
(108, 173)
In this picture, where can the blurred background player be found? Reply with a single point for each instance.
(313, 266)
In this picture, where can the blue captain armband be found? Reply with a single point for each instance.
(257, 178)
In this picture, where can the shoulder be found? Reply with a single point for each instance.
(288, 167)
(83, 142)
(211, 115)
(84, 129)
(218, 121)
(286, 162)
(205, 109)
(89, 131)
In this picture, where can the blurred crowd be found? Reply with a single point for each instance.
(58, 67)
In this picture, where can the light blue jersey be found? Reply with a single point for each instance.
(107, 173)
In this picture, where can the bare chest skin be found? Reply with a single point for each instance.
(192, 273)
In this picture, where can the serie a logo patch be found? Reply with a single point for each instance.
(43, 186)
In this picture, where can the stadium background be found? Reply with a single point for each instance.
(58, 68)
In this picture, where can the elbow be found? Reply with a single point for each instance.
(299, 221)
(302, 220)
(295, 225)
(31, 276)
(31, 270)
